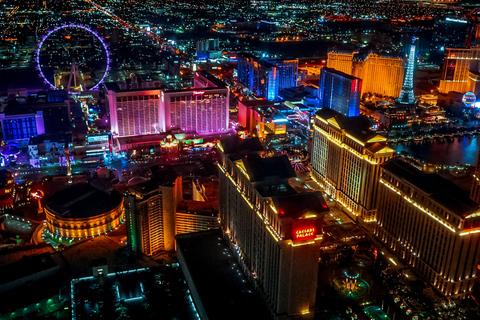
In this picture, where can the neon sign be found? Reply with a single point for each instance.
(304, 233)
(198, 93)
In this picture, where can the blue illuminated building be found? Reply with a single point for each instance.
(259, 76)
(287, 73)
(340, 92)
(20, 127)
(27, 118)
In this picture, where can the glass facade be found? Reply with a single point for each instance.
(340, 92)
(259, 76)
(19, 128)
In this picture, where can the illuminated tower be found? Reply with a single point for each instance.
(407, 96)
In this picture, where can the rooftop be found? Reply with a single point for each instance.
(293, 206)
(82, 201)
(340, 73)
(161, 176)
(216, 276)
(214, 80)
(264, 63)
(358, 127)
(233, 145)
(27, 266)
(439, 189)
(260, 169)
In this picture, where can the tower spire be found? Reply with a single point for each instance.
(406, 95)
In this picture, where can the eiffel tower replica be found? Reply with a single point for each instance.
(406, 95)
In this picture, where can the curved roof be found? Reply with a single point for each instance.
(136, 180)
(103, 172)
(82, 201)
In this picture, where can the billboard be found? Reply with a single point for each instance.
(449, 71)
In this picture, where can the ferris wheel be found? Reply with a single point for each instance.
(105, 57)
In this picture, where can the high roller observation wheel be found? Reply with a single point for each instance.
(78, 26)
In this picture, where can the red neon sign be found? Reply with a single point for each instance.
(305, 233)
(198, 93)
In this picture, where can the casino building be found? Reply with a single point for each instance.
(83, 210)
(431, 224)
(346, 156)
(461, 70)
(203, 109)
(273, 225)
(381, 74)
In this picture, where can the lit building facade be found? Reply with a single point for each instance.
(259, 76)
(82, 211)
(18, 127)
(259, 118)
(380, 74)
(461, 68)
(340, 92)
(345, 160)
(203, 111)
(135, 112)
(141, 112)
(431, 224)
(150, 209)
(274, 229)
(287, 73)
(186, 222)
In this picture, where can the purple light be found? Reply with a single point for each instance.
(72, 25)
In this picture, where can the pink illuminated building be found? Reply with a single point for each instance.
(203, 109)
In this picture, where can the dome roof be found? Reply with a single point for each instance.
(82, 201)
(103, 173)
(136, 180)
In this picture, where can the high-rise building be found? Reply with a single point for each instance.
(135, 112)
(208, 48)
(203, 109)
(273, 225)
(260, 118)
(431, 224)
(407, 95)
(155, 210)
(287, 73)
(150, 208)
(340, 92)
(346, 156)
(381, 74)
(461, 71)
(259, 76)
